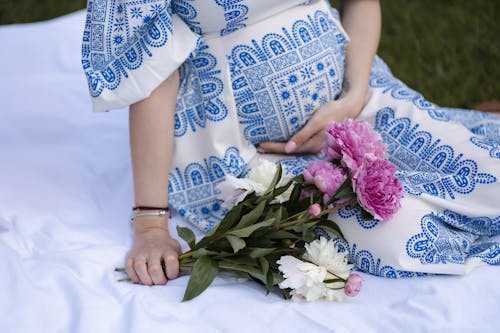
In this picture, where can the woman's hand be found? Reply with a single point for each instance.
(310, 138)
(152, 246)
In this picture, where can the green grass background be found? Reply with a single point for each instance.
(449, 50)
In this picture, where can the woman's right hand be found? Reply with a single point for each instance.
(152, 246)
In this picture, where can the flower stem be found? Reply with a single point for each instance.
(124, 279)
(336, 208)
(186, 255)
(323, 212)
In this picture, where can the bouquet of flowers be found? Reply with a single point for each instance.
(269, 234)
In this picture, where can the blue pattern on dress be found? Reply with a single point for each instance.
(481, 225)
(199, 98)
(424, 165)
(292, 166)
(452, 237)
(488, 252)
(484, 126)
(348, 211)
(280, 80)
(235, 13)
(187, 12)
(193, 190)
(439, 243)
(138, 26)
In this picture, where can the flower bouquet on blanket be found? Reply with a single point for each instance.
(270, 233)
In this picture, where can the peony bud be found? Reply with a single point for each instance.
(314, 210)
(353, 285)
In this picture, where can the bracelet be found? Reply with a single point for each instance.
(149, 208)
(147, 211)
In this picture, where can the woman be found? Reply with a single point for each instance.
(265, 78)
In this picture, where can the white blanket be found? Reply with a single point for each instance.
(65, 198)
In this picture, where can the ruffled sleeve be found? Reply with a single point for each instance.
(130, 47)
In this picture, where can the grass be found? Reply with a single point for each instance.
(448, 50)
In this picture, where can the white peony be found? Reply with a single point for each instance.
(306, 279)
(234, 190)
(263, 174)
(326, 253)
(294, 277)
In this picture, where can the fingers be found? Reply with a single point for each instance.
(155, 270)
(311, 146)
(171, 265)
(129, 268)
(272, 147)
(150, 271)
(141, 270)
(301, 137)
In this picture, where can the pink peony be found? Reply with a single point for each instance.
(325, 176)
(351, 142)
(314, 167)
(378, 190)
(314, 210)
(353, 285)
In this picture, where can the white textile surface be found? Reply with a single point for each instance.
(65, 197)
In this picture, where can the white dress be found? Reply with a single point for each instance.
(256, 70)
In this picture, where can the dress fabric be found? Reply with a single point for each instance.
(256, 70)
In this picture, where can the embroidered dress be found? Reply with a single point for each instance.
(256, 70)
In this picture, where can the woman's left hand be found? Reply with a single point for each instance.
(310, 138)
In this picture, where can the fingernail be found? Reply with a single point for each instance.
(260, 149)
(290, 146)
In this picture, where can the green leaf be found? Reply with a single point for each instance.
(241, 259)
(253, 271)
(187, 235)
(236, 243)
(333, 280)
(225, 224)
(347, 184)
(203, 252)
(269, 281)
(204, 271)
(260, 252)
(299, 179)
(276, 179)
(331, 227)
(303, 226)
(264, 264)
(308, 236)
(365, 215)
(252, 217)
(282, 189)
(245, 232)
(278, 215)
(295, 195)
(345, 193)
(281, 234)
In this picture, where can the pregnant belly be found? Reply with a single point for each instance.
(270, 76)
(284, 68)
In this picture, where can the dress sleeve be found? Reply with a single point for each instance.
(130, 47)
